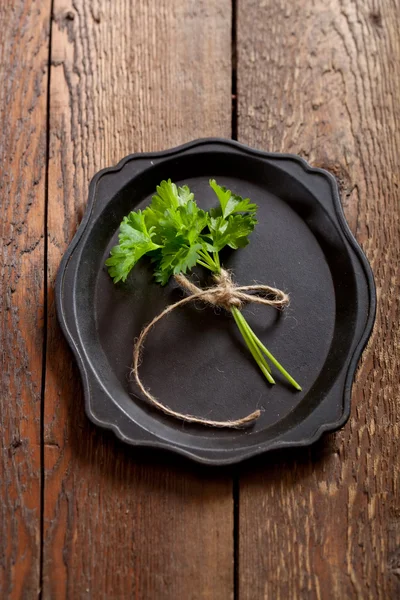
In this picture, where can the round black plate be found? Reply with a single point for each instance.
(195, 361)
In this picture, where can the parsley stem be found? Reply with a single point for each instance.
(206, 265)
(207, 259)
(272, 358)
(251, 335)
(258, 357)
(253, 343)
(254, 338)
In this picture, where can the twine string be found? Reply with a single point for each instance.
(224, 294)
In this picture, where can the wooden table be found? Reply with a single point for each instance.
(83, 83)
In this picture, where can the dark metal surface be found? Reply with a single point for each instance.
(194, 360)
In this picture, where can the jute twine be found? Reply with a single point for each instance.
(224, 294)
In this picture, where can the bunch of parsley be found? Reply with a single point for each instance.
(177, 235)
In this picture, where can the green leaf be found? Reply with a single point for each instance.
(177, 223)
(180, 260)
(166, 197)
(184, 195)
(176, 234)
(231, 223)
(135, 240)
(169, 196)
(222, 194)
(232, 232)
(231, 203)
(173, 210)
(176, 259)
(162, 277)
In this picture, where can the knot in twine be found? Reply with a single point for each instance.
(224, 294)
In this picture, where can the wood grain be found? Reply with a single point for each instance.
(322, 79)
(23, 94)
(127, 76)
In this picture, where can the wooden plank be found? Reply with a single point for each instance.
(23, 99)
(127, 76)
(321, 79)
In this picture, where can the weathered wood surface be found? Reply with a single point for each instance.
(24, 30)
(127, 76)
(322, 79)
(316, 78)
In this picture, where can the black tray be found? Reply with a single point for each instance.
(195, 361)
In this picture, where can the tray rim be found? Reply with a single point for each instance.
(150, 440)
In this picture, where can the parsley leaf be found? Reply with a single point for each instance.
(169, 196)
(135, 240)
(231, 203)
(232, 223)
(176, 258)
(232, 232)
(174, 210)
(177, 234)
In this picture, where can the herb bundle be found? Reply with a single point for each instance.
(177, 235)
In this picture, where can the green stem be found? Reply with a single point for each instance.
(207, 259)
(253, 343)
(251, 335)
(258, 357)
(206, 265)
(268, 354)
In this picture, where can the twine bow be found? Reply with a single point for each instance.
(224, 294)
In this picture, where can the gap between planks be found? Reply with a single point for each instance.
(45, 309)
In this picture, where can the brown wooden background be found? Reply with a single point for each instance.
(83, 83)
